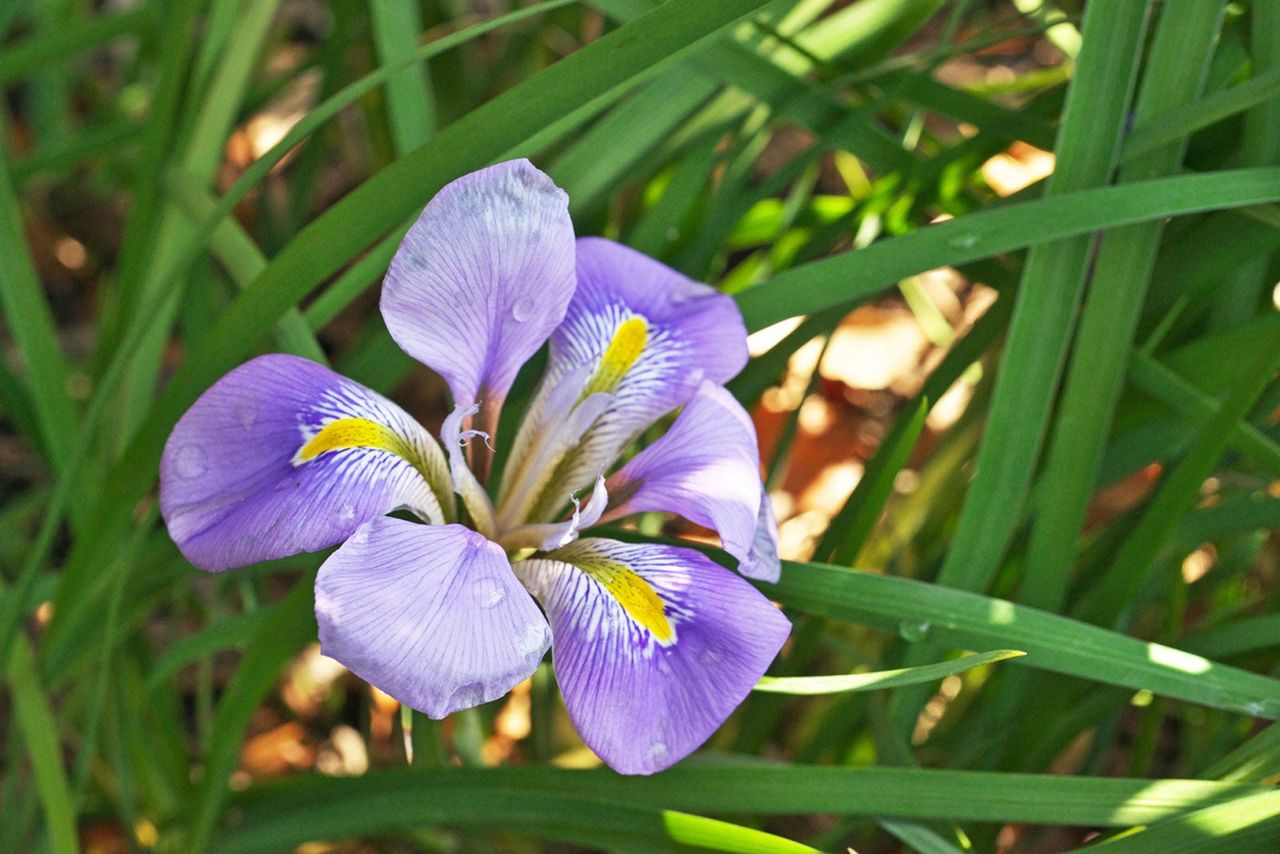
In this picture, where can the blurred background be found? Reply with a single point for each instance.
(1010, 271)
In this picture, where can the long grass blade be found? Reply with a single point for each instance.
(849, 682)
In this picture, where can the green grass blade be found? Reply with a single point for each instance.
(770, 82)
(1179, 60)
(218, 29)
(30, 321)
(851, 527)
(1177, 494)
(35, 721)
(919, 838)
(870, 30)
(608, 153)
(1241, 636)
(1052, 279)
(1180, 122)
(1058, 644)
(1250, 823)
(177, 21)
(290, 625)
(106, 141)
(715, 835)
(849, 682)
(354, 280)
(811, 287)
(289, 812)
(397, 25)
(35, 54)
(389, 197)
(1166, 385)
(197, 155)
(1255, 761)
(1239, 299)
(222, 634)
(656, 227)
(244, 262)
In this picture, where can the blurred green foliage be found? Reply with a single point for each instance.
(188, 183)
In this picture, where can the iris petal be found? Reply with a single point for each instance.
(431, 615)
(706, 468)
(482, 278)
(283, 456)
(654, 646)
(762, 563)
(641, 332)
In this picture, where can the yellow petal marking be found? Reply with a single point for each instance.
(634, 594)
(357, 433)
(627, 344)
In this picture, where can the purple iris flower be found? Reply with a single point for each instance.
(654, 645)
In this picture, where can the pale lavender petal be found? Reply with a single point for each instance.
(762, 563)
(694, 325)
(706, 468)
(482, 278)
(687, 332)
(430, 614)
(235, 490)
(654, 646)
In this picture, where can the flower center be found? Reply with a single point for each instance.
(535, 488)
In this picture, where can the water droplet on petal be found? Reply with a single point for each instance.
(531, 639)
(467, 696)
(522, 309)
(348, 512)
(488, 593)
(528, 177)
(711, 657)
(191, 461)
(912, 631)
(247, 414)
(658, 750)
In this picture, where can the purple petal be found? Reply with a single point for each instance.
(706, 468)
(482, 278)
(430, 614)
(654, 646)
(682, 332)
(699, 329)
(762, 563)
(235, 489)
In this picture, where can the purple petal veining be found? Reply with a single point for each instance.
(431, 614)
